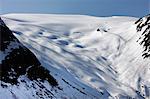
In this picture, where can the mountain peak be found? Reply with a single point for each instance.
(142, 22)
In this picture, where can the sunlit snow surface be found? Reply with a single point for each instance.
(105, 63)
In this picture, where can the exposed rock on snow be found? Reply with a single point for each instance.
(143, 24)
(18, 61)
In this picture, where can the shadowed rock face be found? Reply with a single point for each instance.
(16, 60)
(143, 24)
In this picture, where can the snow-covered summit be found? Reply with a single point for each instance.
(90, 57)
(145, 21)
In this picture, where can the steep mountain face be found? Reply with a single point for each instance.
(143, 24)
(17, 61)
(89, 57)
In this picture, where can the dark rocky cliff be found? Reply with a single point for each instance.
(143, 24)
(17, 60)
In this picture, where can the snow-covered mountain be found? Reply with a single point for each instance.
(143, 24)
(88, 57)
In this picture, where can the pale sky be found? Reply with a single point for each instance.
(137, 8)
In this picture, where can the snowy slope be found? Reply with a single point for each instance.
(90, 57)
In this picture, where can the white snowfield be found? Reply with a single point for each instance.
(99, 55)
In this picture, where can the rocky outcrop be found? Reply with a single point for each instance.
(16, 60)
(143, 25)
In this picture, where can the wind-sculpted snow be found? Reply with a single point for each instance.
(90, 57)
